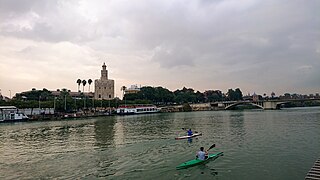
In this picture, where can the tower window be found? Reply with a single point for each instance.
(99, 95)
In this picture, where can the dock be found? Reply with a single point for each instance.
(314, 173)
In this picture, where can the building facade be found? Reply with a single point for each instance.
(132, 89)
(104, 87)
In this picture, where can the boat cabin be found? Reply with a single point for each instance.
(11, 113)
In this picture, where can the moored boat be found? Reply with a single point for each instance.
(11, 114)
(195, 162)
(137, 109)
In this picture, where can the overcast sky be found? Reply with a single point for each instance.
(257, 46)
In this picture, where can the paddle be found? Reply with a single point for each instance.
(212, 146)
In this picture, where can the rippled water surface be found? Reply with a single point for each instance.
(281, 144)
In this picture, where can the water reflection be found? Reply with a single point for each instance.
(237, 127)
(105, 132)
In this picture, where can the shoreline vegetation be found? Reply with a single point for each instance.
(43, 105)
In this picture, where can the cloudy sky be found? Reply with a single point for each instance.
(258, 46)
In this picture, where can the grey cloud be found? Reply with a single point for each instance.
(252, 42)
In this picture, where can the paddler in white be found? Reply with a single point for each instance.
(202, 155)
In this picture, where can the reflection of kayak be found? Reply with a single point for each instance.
(198, 161)
(185, 137)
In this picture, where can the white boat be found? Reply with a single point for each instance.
(137, 109)
(185, 137)
(11, 114)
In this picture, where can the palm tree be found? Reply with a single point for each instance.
(79, 82)
(84, 82)
(89, 82)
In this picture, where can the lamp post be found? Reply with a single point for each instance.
(75, 103)
(65, 102)
(39, 105)
(54, 105)
(93, 103)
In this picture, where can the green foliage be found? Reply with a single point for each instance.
(162, 96)
(234, 95)
(186, 95)
(147, 95)
(212, 96)
(157, 95)
(186, 107)
(36, 95)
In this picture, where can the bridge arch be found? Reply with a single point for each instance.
(229, 106)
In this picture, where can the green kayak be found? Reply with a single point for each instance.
(198, 161)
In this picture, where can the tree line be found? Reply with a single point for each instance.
(163, 96)
(64, 102)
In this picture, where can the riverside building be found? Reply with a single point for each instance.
(104, 87)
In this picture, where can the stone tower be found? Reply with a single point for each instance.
(104, 87)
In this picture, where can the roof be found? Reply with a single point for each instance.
(8, 107)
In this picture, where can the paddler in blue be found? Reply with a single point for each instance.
(202, 155)
(189, 132)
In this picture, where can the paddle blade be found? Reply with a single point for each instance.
(212, 146)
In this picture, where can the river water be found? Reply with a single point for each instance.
(278, 144)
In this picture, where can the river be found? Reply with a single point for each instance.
(257, 144)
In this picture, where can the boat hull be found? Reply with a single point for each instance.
(186, 137)
(13, 120)
(195, 162)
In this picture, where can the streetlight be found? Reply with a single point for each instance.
(65, 102)
(39, 105)
(54, 105)
(75, 103)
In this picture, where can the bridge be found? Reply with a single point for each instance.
(262, 104)
(228, 105)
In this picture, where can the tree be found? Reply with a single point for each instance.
(79, 82)
(89, 82)
(212, 95)
(84, 82)
(238, 94)
(186, 107)
(273, 95)
(234, 95)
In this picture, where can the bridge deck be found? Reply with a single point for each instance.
(314, 173)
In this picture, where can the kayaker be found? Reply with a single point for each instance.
(202, 155)
(189, 132)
